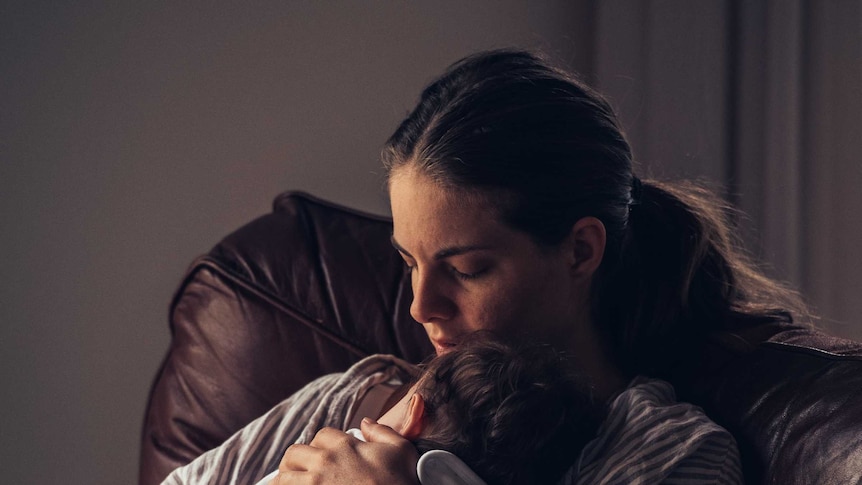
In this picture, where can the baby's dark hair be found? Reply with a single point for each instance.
(514, 414)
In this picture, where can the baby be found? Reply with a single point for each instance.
(513, 415)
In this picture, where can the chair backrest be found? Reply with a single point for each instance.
(312, 287)
(792, 397)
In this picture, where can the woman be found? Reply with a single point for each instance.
(516, 209)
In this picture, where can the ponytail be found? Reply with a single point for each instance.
(680, 275)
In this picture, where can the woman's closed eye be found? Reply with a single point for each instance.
(468, 275)
(409, 268)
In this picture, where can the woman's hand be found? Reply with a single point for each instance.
(334, 457)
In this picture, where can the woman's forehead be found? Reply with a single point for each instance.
(422, 209)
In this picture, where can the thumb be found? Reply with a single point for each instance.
(375, 432)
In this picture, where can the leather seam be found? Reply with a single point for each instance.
(812, 351)
(223, 271)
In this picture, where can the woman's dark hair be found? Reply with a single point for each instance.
(515, 415)
(547, 150)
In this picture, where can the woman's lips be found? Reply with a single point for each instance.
(442, 346)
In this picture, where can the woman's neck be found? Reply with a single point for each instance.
(607, 381)
(591, 358)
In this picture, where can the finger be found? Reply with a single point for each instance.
(290, 477)
(270, 479)
(329, 438)
(298, 457)
(375, 432)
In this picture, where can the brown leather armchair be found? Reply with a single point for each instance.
(311, 288)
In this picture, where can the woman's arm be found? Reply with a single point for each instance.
(257, 449)
(253, 451)
(335, 458)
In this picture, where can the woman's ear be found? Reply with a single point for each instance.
(414, 420)
(586, 246)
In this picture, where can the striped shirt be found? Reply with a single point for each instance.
(650, 438)
(647, 438)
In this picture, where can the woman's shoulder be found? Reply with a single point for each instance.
(649, 437)
(381, 363)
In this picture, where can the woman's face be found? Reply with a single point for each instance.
(471, 272)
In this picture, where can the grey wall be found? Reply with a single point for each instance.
(134, 135)
(763, 99)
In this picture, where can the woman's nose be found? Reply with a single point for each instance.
(430, 303)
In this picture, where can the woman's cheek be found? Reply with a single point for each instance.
(493, 308)
(496, 316)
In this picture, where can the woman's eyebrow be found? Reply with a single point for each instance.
(443, 253)
(457, 250)
(398, 246)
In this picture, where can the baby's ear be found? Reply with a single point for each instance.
(414, 421)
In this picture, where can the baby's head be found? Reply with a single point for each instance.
(513, 414)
